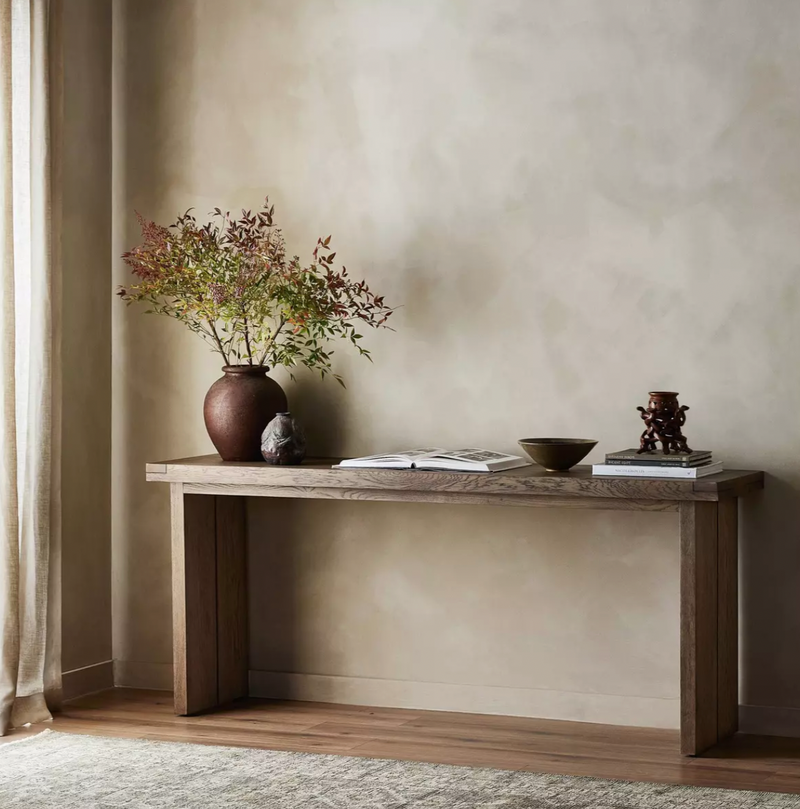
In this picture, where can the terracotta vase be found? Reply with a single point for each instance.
(238, 407)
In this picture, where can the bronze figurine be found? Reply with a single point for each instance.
(664, 419)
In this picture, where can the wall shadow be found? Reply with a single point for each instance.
(84, 167)
(770, 597)
(274, 528)
(152, 41)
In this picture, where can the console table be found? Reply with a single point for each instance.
(209, 564)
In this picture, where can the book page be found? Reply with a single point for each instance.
(424, 452)
(406, 455)
(474, 455)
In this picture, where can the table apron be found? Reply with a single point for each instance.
(409, 496)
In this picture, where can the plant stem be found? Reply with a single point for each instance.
(220, 347)
(272, 340)
(206, 335)
(247, 340)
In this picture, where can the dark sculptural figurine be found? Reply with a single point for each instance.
(664, 419)
(283, 442)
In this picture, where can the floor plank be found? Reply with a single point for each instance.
(539, 745)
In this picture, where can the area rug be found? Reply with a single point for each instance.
(68, 771)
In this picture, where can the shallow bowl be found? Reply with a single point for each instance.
(557, 454)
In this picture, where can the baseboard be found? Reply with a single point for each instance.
(87, 679)
(138, 674)
(540, 703)
(532, 702)
(765, 720)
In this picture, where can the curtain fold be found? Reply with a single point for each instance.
(30, 678)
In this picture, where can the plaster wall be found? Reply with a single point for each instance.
(574, 203)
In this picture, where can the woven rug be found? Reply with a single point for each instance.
(67, 771)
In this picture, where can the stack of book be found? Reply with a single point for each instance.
(631, 464)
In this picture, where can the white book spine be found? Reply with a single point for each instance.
(650, 471)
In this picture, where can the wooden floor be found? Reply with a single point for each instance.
(572, 748)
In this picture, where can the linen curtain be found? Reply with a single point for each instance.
(30, 677)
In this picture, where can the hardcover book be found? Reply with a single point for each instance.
(656, 471)
(665, 463)
(435, 458)
(693, 458)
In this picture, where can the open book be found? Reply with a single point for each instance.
(457, 460)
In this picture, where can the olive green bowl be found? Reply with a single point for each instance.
(557, 454)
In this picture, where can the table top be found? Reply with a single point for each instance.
(316, 478)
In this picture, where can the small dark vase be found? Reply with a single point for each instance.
(237, 408)
(283, 442)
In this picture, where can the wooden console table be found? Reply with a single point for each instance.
(209, 566)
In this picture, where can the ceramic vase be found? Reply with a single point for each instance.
(237, 408)
(283, 442)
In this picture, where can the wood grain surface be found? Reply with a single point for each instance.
(728, 617)
(405, 496)
(194, 601)
(540, 745)
(699, 642)
(417, 484)
(232, 651)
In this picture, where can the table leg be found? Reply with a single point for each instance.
(728, 617)
(709, 625)
(232, 641)
(209, 600)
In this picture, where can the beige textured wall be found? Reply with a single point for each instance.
(86, 346)
(575, 203)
